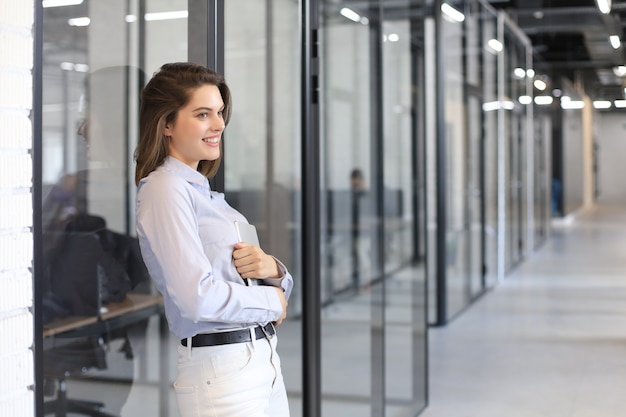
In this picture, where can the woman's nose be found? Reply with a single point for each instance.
(218, 124)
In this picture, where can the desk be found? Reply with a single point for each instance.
(134, 309)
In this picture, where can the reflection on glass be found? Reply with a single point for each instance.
(347, 210)
(100, 312)
(490, 148)
(457, 237)
(515, 131)
(405, 281)
(262, 147)
(373, 326)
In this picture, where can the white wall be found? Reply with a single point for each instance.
(611, 139)
(16, 241)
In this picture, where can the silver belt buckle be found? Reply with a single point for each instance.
(267, 335)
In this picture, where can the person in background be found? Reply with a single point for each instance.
(222, 297)
(358, 190)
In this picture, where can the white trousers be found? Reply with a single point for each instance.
(235, 380)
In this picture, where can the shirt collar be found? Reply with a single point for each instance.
(185, 171)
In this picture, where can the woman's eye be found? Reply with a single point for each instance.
(203, 115)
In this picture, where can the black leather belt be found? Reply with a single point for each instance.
(226, 338)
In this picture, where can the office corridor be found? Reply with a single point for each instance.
(549, 341)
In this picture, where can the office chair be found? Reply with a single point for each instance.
(82, 274)
(65, 361)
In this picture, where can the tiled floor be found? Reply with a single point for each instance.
(548, 341)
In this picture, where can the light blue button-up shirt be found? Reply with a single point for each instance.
(187, 235)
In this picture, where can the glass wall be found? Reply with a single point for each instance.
(102, 325)
(480, 154)
(373, 324)
(106, 344)
(105, 341)
(453, 35)
(516, 137)
(464, 128)
(405, 359)
(490, 106)
(542, 173)
(262, 147)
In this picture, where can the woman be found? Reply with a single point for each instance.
(227, 360)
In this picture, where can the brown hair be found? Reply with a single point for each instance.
(161, 99)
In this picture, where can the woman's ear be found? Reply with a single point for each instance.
(167, 130)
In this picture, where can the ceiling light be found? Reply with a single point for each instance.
(494, 46)
(620, 70)
(604, 6)
(179, 14)
(615, 41)
(543, 100)
(70, 66)
(601, 104)
(452, 13)
(569, 104)
(60, 3)
(79, 21)
(540, 85)
(530, 73)
(497, 105)
(519, 72)
(620, 104)
(525, 99)
(491, 106)
(393, 37)
(350, 14)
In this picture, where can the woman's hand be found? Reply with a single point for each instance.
(284, 303)
(252, 263)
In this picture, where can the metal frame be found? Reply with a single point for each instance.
(440, 154)
(377, 300)
(37, 207)
(311, 199)
(206, 22)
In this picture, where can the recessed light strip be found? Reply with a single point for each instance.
(60, 3)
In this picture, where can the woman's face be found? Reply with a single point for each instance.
(195, 133)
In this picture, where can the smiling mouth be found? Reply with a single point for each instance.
(210, 140)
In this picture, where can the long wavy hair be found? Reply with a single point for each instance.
(166, 93)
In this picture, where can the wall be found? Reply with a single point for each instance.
(16, 242)
(573, 175)
(611, 141)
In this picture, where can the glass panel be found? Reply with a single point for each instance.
(101, 314)
(405, 281)
(456, 165)
(474, 225)
(490, 138)
(515, 131)
(473, 186)
(347, 210)
(542, 173)
(262, 147)
(572, 181)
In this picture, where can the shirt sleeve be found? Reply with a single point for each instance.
(285, 281)
(167, 227)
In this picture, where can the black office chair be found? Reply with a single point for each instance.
(73, 359)
(83, 272)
